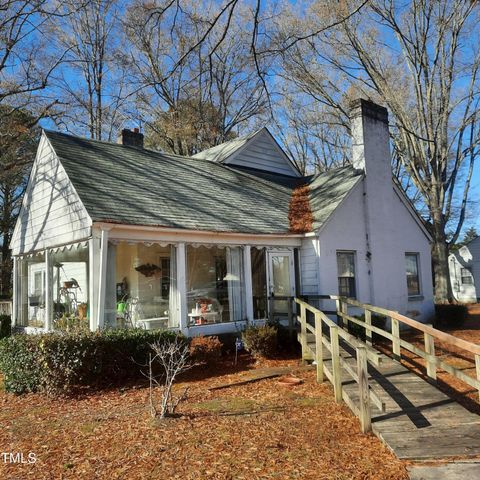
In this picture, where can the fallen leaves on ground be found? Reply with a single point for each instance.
(254, 431)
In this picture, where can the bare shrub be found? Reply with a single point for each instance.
(173, 359)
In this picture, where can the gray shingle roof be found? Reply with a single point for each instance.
(128, 185)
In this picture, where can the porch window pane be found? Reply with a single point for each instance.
(215, 285)
(466, 276)
(346, 274)
(413, 281)
(259, 282)
(70, 289)
(146, 286)
(31, 291)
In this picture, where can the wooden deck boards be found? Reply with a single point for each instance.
(419, 422)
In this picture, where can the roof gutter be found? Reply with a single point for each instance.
(148, 232)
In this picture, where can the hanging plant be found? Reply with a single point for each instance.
(148, 269)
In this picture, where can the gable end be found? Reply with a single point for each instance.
(52, 213)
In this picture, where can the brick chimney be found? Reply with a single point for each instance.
(131, 138)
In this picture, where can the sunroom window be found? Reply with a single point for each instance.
(31, 290)
(215, 286)
(70, 288)
(145, 286)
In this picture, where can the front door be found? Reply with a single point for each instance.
(281, 280)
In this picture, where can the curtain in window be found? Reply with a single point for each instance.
(174, 294)
(235, 283)
(346, 264)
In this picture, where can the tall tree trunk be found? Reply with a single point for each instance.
(440, 251)
(6, 274)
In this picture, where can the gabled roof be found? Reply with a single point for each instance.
(328, 190)
(221, 152)
(127, 185)
(228, 151)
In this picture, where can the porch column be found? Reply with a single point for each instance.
(15, 292)
(48, 324)
(93, 256)
(247, 275)
(102, 279)
(182, 288)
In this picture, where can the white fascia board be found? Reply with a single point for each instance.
(161, 234)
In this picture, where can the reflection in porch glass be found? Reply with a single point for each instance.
(145, 288)
(69, 272)
(31, 290)
(215, 286)
(281, 281)
(259, 282)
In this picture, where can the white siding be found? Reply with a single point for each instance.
(263, 153)
(466, 257)
(52, 213)
(309, 266)
(474, 247)
(346, 231)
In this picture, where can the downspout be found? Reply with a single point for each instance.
(368, 255)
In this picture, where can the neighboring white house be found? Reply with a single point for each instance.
(464, 265)
(199, 243)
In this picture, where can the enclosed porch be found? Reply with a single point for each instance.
(197, 286)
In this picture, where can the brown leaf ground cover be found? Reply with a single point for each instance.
(457, 357)
(255, 431)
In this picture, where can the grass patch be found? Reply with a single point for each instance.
(229, 405)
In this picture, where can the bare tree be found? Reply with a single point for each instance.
(26, 63)
(421, 59)
(18, 142)
(195, 89)
(313, 136)
(91, 82)
(173, 359)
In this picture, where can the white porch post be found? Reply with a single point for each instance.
(182, 288)
(48, 292)
(247, 275)
(93, 251)
(15, 292)
(102, 279)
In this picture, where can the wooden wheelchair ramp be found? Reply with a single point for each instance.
(409, 414)
(419, 422)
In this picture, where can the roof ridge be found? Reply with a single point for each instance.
(114, 144)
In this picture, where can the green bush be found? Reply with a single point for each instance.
(5, 326)
(59, 362)
(450, 315)
(261, 341)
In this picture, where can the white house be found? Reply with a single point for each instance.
(464, 266)
(198, 244)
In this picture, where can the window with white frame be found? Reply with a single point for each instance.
(466, 276)
(412, 271)
(215, 284)
(346, 274)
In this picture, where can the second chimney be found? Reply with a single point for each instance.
(131, 138)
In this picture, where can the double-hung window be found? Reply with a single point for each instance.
(466, 275)
(413, 277)
(346, 274)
